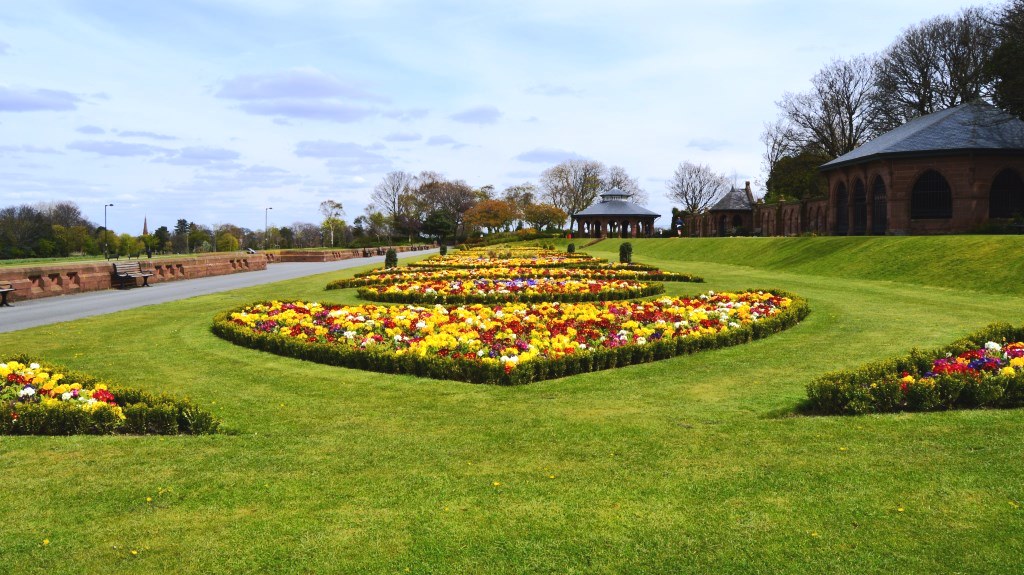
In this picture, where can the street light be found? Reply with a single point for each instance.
(266, 228)
(105, 230)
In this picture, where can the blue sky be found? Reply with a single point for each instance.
(214, 110)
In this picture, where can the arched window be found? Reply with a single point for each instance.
(842, 210)
(931, 198)
(860, 209)
(1006, 199)
(879, 223)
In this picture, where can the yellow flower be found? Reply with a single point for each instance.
(1007, 371)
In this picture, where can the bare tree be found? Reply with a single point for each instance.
(617, 177)
(696, 187)
(386, 194)
(938, 64)
(834, 116)
(573, 184)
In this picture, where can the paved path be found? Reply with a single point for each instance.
(47, 310)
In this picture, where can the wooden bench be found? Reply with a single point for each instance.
(132, 270)
(5, 288)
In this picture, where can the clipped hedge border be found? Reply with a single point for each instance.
(145, 413)
(876, 387)
(535, 370)
(495, 298)
(362, 279)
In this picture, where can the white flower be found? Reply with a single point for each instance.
(349, 334)
(27, 392)
(480, 353)
(993, 346)
(733, 324)
(641, 340)
(33, 366)
(421, 324)
(66, 396)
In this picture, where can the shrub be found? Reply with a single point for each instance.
(443, 250)
(391, 258)
(914, 382)
(571, 248)
(625, 253)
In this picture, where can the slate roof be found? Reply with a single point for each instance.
(734, 199)
(614, 207)
(975, 126)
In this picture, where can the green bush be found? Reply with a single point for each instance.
(625, 253)
(391, 258)
(571, 248)
(879, 387)
(534, 370)
(443, 250)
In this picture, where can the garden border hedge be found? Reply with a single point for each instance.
(876, 388)
(495, 298)
(145, 413)
(534, 370)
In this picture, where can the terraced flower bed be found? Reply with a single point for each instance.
(37, 399)
(985, 369)
(509, 290)
(508, 344)
(407, 274)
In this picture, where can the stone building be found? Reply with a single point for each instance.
(614, 217)
(953, 171)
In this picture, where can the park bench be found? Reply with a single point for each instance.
(132, 270)
(5, 288)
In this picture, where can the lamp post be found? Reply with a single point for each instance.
(266, 228)
(105, 230)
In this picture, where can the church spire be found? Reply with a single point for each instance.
(145, 226)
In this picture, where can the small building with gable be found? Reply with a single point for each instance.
(614, 216)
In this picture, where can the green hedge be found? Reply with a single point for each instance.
(534, 370)
(418, 298)
(145, 413)
(876, 387)
(363, 279)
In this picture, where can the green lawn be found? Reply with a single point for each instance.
(694, 464)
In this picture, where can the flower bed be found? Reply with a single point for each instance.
(406, 274)
(479, 260)
(508, 344)
(985, 369)
(38, 399)
(509, 290)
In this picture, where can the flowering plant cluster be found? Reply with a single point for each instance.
(484, 259)
(606, 272)
(509, 290)
(513, 343)
(39, 399)
(32, 383)
(983, 370)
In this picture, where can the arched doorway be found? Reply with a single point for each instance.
(842, 210)
(931, 198)
(879, 216)
(1006, 198)
(723, 222)
(860, 209)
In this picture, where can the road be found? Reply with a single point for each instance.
(33, 313)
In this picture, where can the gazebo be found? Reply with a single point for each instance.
(614, 216)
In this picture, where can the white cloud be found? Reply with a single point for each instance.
(478, 115)
(36, 99)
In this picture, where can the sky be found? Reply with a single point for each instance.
(215, 110)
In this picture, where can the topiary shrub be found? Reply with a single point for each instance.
(571, 249)
(391, 258)
(444, 250)
(626, 253)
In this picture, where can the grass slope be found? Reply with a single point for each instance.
(690, 465)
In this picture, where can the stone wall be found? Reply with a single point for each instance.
(276, 256)
(31, 282)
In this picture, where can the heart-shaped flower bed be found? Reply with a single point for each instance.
(509, 290)
(508, 344)
(38, 399)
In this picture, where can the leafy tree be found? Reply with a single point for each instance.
(163, 238)
(332, 212)
(541, 216)
(227, 243)
(439, 225)
(1005, 66)
(491, 214)
(796, 177)
(696, 187)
